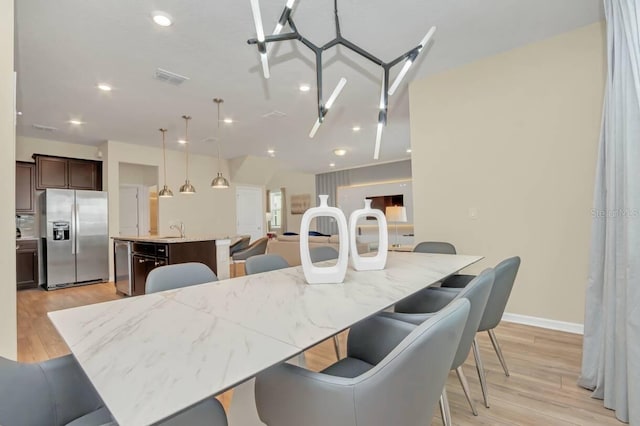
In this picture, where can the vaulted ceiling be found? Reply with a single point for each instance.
(66, 47)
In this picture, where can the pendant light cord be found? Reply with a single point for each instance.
(219, 138)
(186, 139)
(164, 155)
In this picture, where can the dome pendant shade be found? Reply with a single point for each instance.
(165, 192)
(220, 182)
(187, 188)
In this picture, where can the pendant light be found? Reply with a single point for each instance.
(187, 188)
(219, 182)
(165, 192)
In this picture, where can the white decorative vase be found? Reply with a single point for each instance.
(379, 261)
(329, 274)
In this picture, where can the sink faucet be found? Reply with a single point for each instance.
(179, 228)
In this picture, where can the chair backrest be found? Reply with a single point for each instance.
(405, 386)
(177, 276)
(257, 247)
(264, 263)
(241, 244)
(322, 253)
(477, 293)
(53, 392)
(506, 272)
(438, 247)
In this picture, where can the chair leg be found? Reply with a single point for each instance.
(465, 388)
(445, 410)
(481, 372)
(336, 346)
(496, 347)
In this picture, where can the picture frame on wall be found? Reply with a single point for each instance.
(300, 203)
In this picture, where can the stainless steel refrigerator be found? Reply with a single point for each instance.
(75, 226)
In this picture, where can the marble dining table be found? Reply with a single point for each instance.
(152, 356)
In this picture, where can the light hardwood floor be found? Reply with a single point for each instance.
(541, 390)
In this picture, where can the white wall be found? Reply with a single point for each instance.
(8, 328)
(515, 136)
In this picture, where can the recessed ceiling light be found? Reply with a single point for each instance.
(339, 152)
(332, 164)
(75, 122)
(182, 141)
(305, 87)
(271, 152)
(356, 128)
(19, 112)
(408, 150)
(104, 87)
(228, 120)
(163, 19)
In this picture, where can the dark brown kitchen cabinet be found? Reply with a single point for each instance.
(26, 264)
(146, 256)
(142, 265)
(25, 187)
(67, 173)
(83, 174)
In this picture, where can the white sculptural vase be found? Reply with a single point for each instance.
(378, 261)
(328, 274)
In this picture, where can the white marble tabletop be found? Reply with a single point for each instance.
(152, 356)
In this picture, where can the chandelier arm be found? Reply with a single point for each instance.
(413, 53)
(349, 45)
(321, 110)
(337, 19)
(274, 38)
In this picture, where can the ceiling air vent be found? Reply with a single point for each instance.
(274, 114)
(44, 128)
(170, 77)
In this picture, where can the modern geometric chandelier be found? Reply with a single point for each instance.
(323, 108)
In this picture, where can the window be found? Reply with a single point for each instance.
(275, 201)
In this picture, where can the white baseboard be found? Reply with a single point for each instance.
(569, 327)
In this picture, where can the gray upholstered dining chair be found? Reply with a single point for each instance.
(57, 392)
(257, 247)
(438, 247)
(383, 381)
(264, 263)
(239, 245)
(322, 253)
(177, 276)
(506, 272)
(422, 305)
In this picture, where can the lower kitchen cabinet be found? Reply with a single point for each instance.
(141, 266)
(26, 264)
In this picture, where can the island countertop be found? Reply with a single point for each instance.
(172, 239)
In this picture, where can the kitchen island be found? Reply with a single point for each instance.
(135, 257)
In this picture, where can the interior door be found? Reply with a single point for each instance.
(250, 211)
(92, 236)
(129, 214)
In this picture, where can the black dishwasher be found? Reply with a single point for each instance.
(145, 258)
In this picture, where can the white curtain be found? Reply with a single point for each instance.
(611, 353)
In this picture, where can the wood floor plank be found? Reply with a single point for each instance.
(542, 388)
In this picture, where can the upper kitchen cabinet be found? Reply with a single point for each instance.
(67, 173)
(25, 187)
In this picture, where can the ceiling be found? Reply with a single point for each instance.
(66, 47)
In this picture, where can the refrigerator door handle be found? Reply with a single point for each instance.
(74, 231)
(76, 226)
